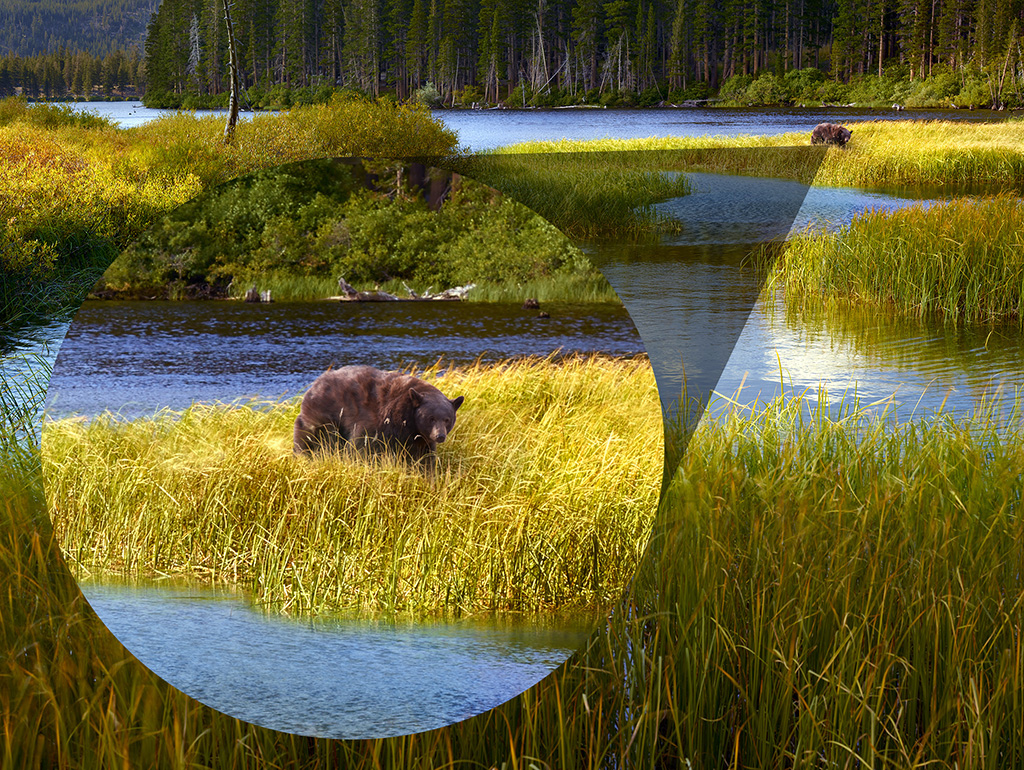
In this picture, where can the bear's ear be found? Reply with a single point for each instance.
(415, 397)
(457, 402)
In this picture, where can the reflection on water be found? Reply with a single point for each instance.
(487, 129)
(689, 303)
(138, 357)
(688, 296)
(928, 365)
(691, 293)
(336, 678)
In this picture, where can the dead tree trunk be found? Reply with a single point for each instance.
(229, 127)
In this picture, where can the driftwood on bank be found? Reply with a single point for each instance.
(350, 294)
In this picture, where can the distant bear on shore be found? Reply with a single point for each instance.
(830, 133)
(372, 410)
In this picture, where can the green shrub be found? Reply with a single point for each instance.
(768, 90)
(975, 93)
(428, 96)
(805, 84)
(734, 89)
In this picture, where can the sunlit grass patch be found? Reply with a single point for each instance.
(815, 599)
(583, 194)
(962, 261)
(543, 497)
(895, 153)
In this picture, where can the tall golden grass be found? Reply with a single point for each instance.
(881, 154)
(73, 195)
(543, 497)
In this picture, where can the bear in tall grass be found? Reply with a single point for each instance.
(374, 410)
(831, 133)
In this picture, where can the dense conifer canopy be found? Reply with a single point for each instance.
(570, 51)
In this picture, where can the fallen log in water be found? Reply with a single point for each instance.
(350, 294)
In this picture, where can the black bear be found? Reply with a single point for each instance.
(372, 409)
(830, 133)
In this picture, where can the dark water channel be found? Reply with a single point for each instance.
(334, 678)
(135, 358)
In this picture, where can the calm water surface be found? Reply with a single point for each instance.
(486, 129)
(137, 357)
(333, 678)
(690, 296)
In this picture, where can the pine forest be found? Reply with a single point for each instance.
(522, 53)
(551, 52)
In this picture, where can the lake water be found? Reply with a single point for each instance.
(334, 678)
(688, 294)
(699, 309)
(137, 357)
(486, 129)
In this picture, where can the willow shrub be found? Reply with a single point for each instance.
(72, 196)
(305, 224)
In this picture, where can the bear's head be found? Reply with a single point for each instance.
(434, 414)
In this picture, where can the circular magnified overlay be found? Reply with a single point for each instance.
(443, 538)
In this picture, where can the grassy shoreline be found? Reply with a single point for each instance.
(569, 288)
(881, 154)
(543, 499)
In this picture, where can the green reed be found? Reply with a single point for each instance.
(962, 261)
(844, 591)
(570, 287)
(543, 497)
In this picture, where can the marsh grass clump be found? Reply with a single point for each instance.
(585, 195)
(962, 261)
(881, 154)
(542, 499)
(820, 591)
(842, 589)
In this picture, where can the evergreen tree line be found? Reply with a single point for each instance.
(545, 52)
(101, 27)
(67, 73)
